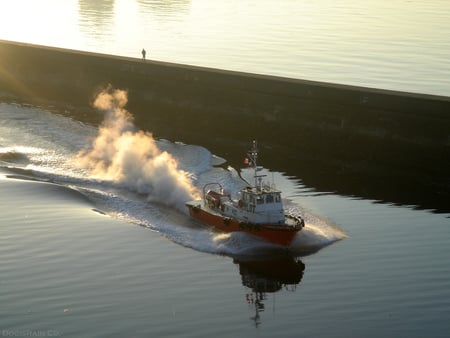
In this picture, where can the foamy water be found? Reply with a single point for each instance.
(107, 175)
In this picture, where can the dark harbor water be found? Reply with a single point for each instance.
(88, 257)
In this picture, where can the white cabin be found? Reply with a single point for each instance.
(255, 205)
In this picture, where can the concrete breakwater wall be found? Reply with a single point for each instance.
(372, 143)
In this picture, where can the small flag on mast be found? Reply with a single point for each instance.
(249, 162)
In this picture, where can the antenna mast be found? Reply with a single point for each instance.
(253, 157)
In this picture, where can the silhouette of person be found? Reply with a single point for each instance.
(143, 54)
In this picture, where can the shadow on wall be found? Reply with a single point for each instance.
(377, 144)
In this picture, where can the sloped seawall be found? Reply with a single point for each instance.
(377, 144)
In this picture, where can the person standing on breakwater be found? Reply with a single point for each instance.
(143, 54)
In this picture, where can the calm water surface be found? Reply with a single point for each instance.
(83, 257)
(400, 45)
(86, 257)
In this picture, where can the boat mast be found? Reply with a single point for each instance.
(253, 157)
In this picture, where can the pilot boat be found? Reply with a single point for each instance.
(257, 210)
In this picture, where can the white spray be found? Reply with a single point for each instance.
(121, 154)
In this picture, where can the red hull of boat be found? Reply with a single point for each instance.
(277, 234)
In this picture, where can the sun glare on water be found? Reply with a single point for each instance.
(31, 21)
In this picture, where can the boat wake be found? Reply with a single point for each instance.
(50, 148)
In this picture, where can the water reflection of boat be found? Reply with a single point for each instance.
(263, 276)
